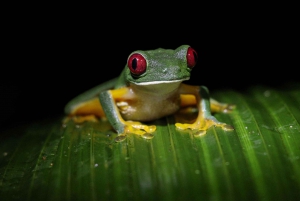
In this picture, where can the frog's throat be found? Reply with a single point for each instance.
(160, 82)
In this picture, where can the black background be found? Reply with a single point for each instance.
(52, 54)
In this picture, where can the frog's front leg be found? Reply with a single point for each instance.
(204, 119)
(107, 100)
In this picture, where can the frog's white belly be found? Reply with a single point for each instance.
(150, 108)
(151, 102)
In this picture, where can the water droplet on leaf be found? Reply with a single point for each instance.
(120, 138)
(147, 136)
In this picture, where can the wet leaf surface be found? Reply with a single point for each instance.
(259, 160)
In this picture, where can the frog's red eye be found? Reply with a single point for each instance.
(191, 57)
(137, 64)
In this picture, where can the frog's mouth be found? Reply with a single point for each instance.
(160, 82)
(157, 87)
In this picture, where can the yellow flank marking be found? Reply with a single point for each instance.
(118, 94)
(81, 119)
(93, 106)
(90, 107)
(187, 100)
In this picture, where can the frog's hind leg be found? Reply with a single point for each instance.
(89, 110)
(204, 118)
(188, 100)
(86, 106)
(217, 106)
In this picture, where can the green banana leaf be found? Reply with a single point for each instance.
(259, 160)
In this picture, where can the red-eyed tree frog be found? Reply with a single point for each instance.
(150, 87)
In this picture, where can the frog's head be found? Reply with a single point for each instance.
(160, 65)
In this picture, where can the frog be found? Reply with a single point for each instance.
(151, 86)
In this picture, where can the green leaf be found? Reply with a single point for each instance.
(259, 160)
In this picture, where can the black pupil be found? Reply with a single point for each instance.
(134, 63)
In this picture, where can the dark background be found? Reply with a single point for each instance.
(52, 55)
